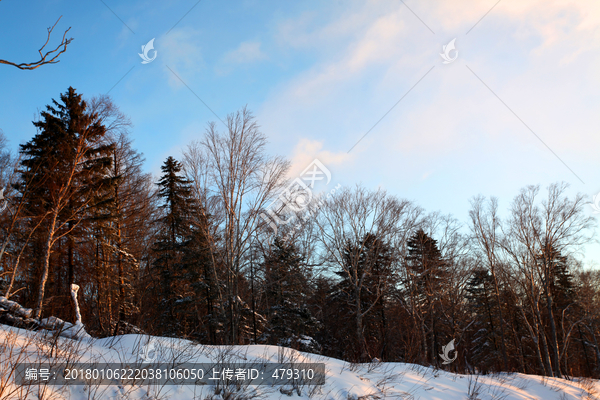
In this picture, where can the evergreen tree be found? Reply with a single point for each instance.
(484, 348)
(561, 283)
(121, 229)
(175, 230)
(201, 285)
(427, 273)
(366, 277)
(287, 288)
(558, 295)
(64, 171)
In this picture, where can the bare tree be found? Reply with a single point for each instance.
(13, 207)
(116, 123)
(196, 167)
(47, 57)
(130, 210)
(557, 223)
(485, 227)
(588, 281)
(454, 247)
(243, 179)
(8, 172)
(351, 216)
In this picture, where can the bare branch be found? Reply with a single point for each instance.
(51, 57)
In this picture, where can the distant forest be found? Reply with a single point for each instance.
(360, 275)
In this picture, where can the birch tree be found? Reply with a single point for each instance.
(485, 228)
(535, 227)
(242, 179)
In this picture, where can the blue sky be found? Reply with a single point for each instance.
(318, 75)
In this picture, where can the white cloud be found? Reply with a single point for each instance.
(525, 52)
(181, 51)
(306, 151)
(246, 52)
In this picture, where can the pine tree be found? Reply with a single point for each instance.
(561, 282)
(366, 277)
(175, 230)
(121, 227)
(427, 273)
(325, 311)
(64, 168)
(286, 289)
(201, 284)
(484, 347)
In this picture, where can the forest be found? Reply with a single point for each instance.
(360, 274)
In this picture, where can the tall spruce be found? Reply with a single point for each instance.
(121, 229)
(557, 290)
(366, 277)
(287, 289)
(427, 273)
(197, 305)
(175, 228)
(65, 166)
(484, 350)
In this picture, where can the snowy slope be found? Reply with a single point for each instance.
(343, 381)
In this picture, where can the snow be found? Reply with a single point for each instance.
(67, 329)
(344, 381)
(15, 307)
(78, 329)
(74, 290)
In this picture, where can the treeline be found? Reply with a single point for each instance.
(358, 275)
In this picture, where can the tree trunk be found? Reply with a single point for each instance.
(535, 337)
(121, 277)
(542, 336)
(596, 347)
(587, 360)
(70, 273)
(14, 271)
(518, 344)
(252, 293)
(363, 353)
(553, 337)
(502, 336)
(46, 268)
(98, 286)
(433, 355)
(383, 353)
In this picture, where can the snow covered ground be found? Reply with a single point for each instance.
(343, 380)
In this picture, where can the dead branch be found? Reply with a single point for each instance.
(50, 57)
